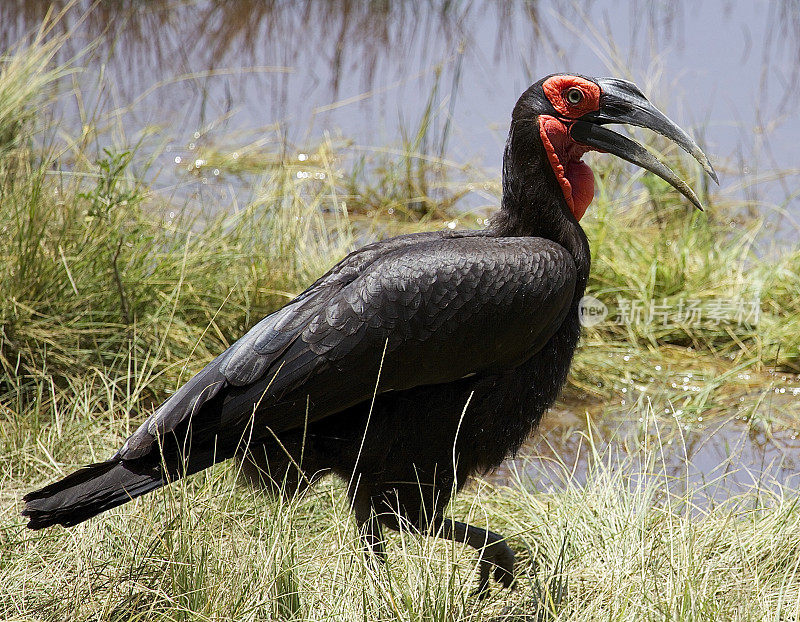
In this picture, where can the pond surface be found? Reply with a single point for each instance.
(238, 72)
(702, 465)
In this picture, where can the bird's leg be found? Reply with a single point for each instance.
(369, 529)
(492, 548)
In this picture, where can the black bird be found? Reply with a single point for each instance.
(414, 362)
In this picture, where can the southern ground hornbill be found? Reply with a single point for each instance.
(415, 361)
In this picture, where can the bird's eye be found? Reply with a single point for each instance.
(574, 96)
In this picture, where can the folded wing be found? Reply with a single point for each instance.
(416, 310)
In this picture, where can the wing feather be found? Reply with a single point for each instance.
(430, 309)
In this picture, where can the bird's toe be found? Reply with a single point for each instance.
(502, 558)
(482, 591)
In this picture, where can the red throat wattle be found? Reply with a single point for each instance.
(574, 176)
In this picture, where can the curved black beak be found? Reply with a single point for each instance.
(622, 102)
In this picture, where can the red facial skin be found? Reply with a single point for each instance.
(575, 178)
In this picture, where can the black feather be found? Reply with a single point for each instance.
(85, 493)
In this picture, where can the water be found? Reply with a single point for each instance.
(702, 465)
(178, 75)
(234, 73)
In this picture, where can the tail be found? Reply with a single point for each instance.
(88, 491)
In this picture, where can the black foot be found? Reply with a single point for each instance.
(501, 558)
(495, 554)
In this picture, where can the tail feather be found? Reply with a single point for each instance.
(88, 491)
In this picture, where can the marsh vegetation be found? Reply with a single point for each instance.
(664, 485)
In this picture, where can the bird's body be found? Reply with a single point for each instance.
(412, 364)
(432, 437)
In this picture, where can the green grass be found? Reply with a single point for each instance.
(620, 545)
(108, 305)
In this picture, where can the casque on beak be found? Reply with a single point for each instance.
(622, 102)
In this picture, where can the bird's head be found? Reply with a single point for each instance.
(569, 111)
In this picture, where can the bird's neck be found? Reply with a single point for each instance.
(533, 204)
